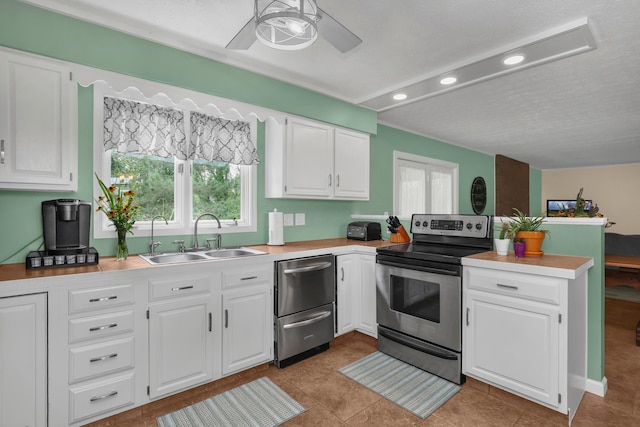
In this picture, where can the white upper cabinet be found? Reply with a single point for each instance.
(38, 135)
(312, 160)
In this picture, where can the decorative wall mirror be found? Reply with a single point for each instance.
(478, 195)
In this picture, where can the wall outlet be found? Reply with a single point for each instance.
(299, 219)
(288, 219)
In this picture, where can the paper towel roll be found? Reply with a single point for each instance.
(276, 228)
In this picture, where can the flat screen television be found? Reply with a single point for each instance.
(554, 207)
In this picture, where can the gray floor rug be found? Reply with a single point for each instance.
(259, 403)
(626, 293)
(407, 386)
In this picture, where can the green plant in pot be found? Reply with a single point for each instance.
(528, 229)
(501, 244)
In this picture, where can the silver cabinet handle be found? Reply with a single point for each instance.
(2, 152)
(103, 298)
(329, 180)
(468, 316)
(500, 285)
(249, 278)
(342, 271)
(210, 322)
(100, 328)
(100, 359)
(313, 267)
(226, 318)
(337, 181)
(182, 288)
(104, 396)
(318, 318)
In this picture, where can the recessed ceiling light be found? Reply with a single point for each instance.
(448, 80)
(513, 59)
(400, 96)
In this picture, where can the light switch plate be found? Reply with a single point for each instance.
(299, 219)
(288, 219)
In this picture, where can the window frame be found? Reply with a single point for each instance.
(183, 224)
(430, 164)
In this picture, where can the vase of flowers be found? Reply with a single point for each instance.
(119, 207)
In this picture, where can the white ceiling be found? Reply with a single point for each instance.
(583, 110)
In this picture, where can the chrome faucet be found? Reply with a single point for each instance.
(152, 244)
(195, 232)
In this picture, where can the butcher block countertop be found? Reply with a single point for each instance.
(18, 271)
(548, 264)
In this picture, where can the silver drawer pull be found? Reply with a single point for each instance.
(103, 298)
(318, 318)
(2, 152)
(100, 359)
(182, 288)
(104, 396)
(249, 278)
(103, 327)
(500, 285)
(312, 267)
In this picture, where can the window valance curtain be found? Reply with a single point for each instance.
(137, 127)
(213, 138)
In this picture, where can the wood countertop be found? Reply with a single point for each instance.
(562, 265)
(19, 271)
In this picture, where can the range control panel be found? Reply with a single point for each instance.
(451, 225)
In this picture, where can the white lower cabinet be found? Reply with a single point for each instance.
(526, 332)
(247, 324)
(356, 294)
(23, 360)
(181, 334)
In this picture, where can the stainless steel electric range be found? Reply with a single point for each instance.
(419, 291)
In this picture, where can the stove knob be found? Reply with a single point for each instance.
(425, 224)
(469, 225)
(479, 226)
(417, 223)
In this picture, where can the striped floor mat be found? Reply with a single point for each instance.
(259, 403)
(407, 386)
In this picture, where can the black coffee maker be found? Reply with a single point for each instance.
(65, 225)
(65, 228)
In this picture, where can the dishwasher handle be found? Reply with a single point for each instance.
(301, 323)
(312, 267)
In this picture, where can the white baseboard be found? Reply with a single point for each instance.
(599, 388)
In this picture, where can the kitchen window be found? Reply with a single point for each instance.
(423, 185)
(181, 162)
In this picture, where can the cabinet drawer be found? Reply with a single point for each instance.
(246, 277)
(100, 359)
(100, 397)
(100, 298)
(160, 289)
(85, 328)
(528, 286)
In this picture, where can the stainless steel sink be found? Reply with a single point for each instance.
(232, 252)
(172, 258)
(208, 254)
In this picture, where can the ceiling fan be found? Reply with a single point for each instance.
(291, 25)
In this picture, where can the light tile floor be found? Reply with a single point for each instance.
(334, 400)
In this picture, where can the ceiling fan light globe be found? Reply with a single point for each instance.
(286, 25)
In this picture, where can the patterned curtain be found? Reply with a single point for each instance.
(213, 138)
(135, 127)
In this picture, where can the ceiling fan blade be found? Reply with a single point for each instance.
(336, 33)
(245, 37)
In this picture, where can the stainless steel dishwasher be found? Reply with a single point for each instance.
(304, 307)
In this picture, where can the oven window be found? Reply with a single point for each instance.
(418, 298)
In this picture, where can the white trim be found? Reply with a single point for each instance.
(599, 388)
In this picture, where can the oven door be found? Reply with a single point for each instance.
(422, 304)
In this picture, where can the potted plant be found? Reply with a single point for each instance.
(519, 247)
(528, 228)
(502, 243)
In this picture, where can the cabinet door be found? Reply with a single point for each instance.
(180, 344)
(37, 135)
(351, 153)
(367, 322)
(348, 271)
(247, 334)
(23, 360)
(309, 159)
(513, 343)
